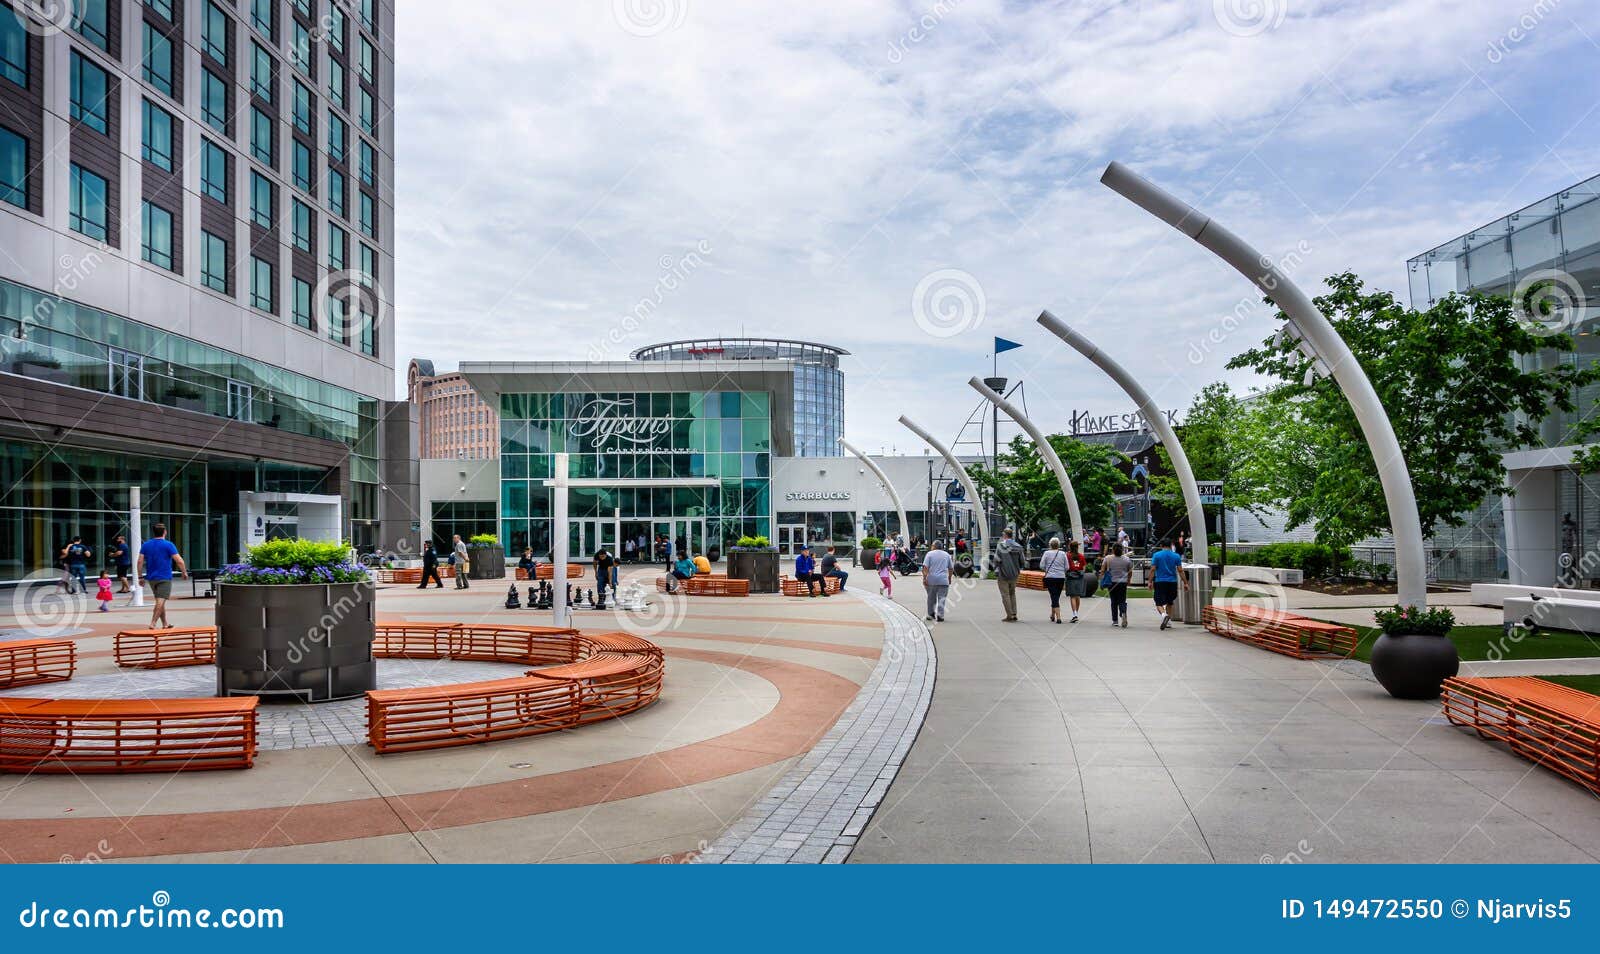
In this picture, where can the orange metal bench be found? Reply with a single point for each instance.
(1286, 633)
(24, 662)
(707, 584)
(793, 587)
(126, 735)
(487, 642)
(412, 574)
(1542, 721)
(1031, 579)
(164, 648)
(547, 571)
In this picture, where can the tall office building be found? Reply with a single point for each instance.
(454, 422)
(197, 224)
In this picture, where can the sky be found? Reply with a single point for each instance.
(909, 180)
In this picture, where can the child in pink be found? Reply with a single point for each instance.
(104, 594)
(885, 581)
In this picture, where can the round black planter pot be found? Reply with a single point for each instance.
(1414, 666)
(305, 643)
(486, 563)
(760, 567)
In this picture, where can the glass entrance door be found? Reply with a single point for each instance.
(791, 537)
(685, 536)
(586, 535)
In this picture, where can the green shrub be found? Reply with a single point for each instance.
(1315, 560)
(307, 553)
(753, 543)
(871, 543)
(484, 540)
(1408, 620)
(285, 562)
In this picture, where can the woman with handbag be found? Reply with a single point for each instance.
(1075, 577)
(1054, 566)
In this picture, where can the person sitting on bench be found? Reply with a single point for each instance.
(681, 570)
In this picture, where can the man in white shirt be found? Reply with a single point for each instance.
(936, 580)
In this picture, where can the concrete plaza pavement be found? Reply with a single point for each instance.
(1084, 743)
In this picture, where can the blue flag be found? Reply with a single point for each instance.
(1002, 345)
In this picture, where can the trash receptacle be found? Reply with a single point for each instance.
(1197, 595)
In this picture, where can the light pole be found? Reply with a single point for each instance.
(966, 484)
(899, 508)
(1045, 450)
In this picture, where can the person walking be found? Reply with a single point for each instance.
(430, 567)
(104, 594)
(78, 554)
(936, 580)
(157, 557)
(885, 577)
(1123, 540)
(1008, 562)
(458, 547)
(1076, 578)
(122, 559)
(1167, 565)
(830, 567)
(1054, 566)
(1116, 569)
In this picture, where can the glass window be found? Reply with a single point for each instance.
(261, 72)
(92, 21)
(302, 166)
(336, 83)
(337, 136)
(89, 87)
(302, 303)
(369, 265)
(89, 212)
(215, 32)
(213, 262)
(260, 284)
(157, 227)
(369, 114)
(261, 136)
(157, 58)
(369, 14)
(261, 17)
(163, 7)
(213, 171)
(369, 335)
(336, 27)
(260, 200)
(304, 104)
(214, 101)
(301, 226)
(13, 168)
(369, 216)
(336, 248)
(335, 319)
(336, 192)
(369, 60)
(14, 50)
(157, 136)
(301, 53)
(369, 163)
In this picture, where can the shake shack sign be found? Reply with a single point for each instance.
(612, 425)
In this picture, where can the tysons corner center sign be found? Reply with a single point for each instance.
(613, 425)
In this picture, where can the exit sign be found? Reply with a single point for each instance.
(1210, 491)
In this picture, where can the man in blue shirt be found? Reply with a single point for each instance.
(805, 570)
(157, 556)
(1167, 565)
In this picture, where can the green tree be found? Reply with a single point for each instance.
(1222, 436)
(1453, 383)
(1024, 489)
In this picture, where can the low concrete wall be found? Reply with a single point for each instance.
(1495, 594)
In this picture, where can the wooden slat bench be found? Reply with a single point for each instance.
(164, 648)
(1287, 633)
(610, 684)
(25, 662)
(396, 639)
(1542, 721)
(595, 643)
(487, 642)
(793, 587)
(126, 735)
(706, 584)
(412, 575)
(547, 571)
(1031, 579)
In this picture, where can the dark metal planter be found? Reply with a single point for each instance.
(306, 642)
(487, 563)
(760, 567)
(1413, 665)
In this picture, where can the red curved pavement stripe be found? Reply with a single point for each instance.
(810, 701)
(843, 649)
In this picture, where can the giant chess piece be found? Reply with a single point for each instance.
(512, 602)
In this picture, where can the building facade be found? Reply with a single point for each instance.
(1549, 250)
(197, 210)
(454, 423)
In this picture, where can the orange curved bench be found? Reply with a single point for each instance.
(520, 645)
(25, 662)
(793, 587)
(1288, 634)
(1542, 721)
(126, 735)
(1031, 579)
(547, 571)
(165, 648)
(412, 574)
(587, 677)
(707, 584)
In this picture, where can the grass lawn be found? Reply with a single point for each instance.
(1491, 642)
(1589, 684)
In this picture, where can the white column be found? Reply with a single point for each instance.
(1398, 493)
(135, 521)
(899, 508)
(980, 524)
(1045, 450)
(558, 528)
(1153, 416)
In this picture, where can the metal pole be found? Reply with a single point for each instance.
(1045, 450)
(1398, 493)
(135, 521)
(900, 508)
(562, 615)
(966, 484)
(1152, 416)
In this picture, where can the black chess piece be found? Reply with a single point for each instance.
(512, 602)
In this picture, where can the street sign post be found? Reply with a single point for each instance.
(1210, 492)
